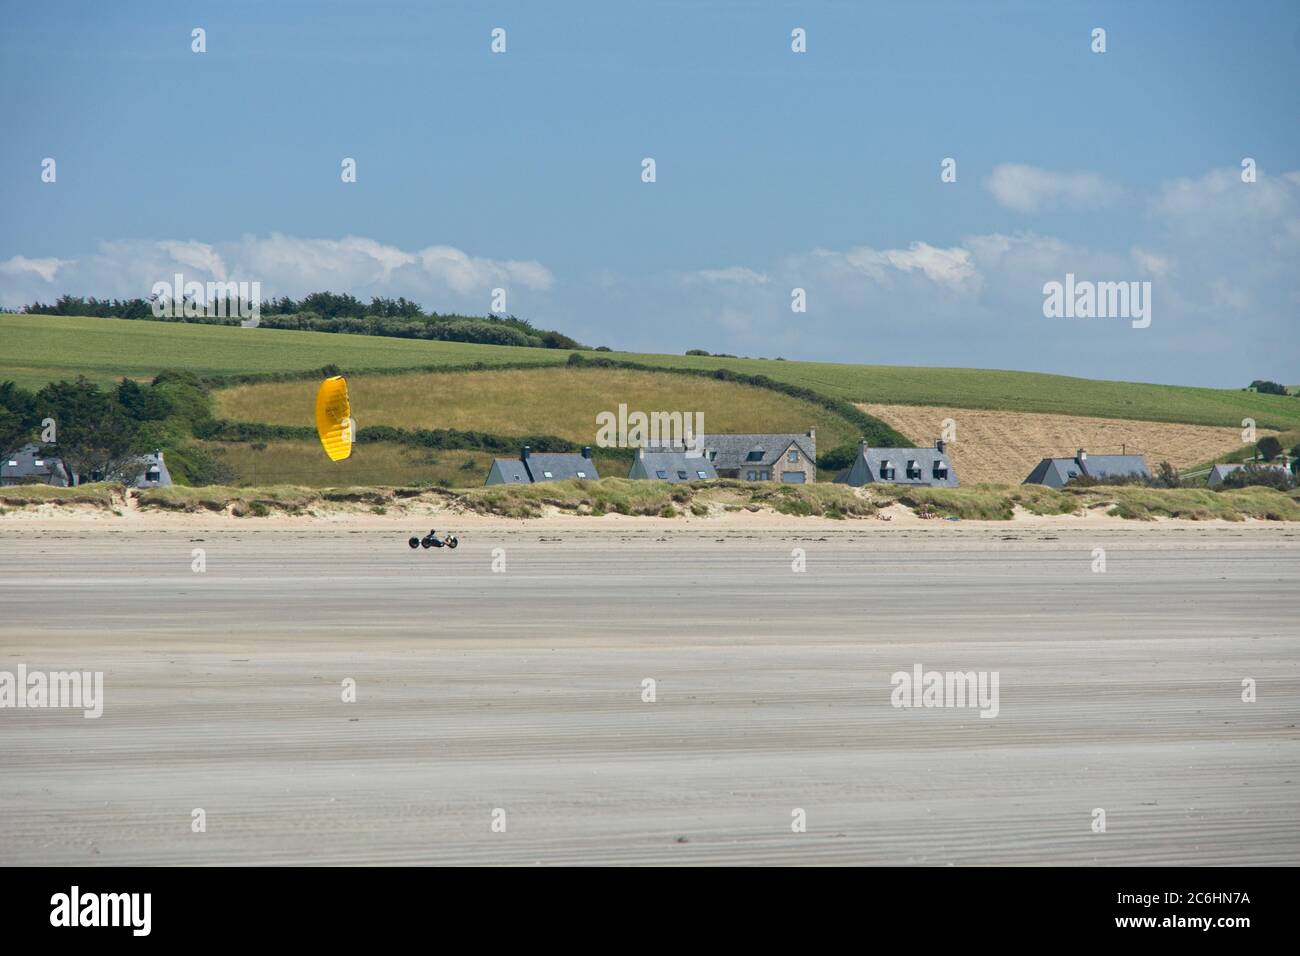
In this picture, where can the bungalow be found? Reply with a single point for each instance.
(1219, 472)
(1059, 472)
(29, 465)
(921, 467)
(529, 468)
(791, 458)
(664, 464)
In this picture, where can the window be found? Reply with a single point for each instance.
(12, 463)
(681, 475)
(151, 475)
(702, 474)
(38, 463)
(792, 457)
(887, 470)
(751, 476)
(913, 469)
(940, 469)
(547, 474)
(755, 455)
(582, 474)
(662, 474)
(764, 475)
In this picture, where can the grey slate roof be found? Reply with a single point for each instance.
(1053, 472)
(891, 465)
(737, 452)
(20, 466)
(558, 467)
(1057, 472)
(1116, 466)
(540, 466)
(674, 466)
(508, 471)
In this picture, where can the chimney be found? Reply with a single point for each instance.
(939, 445)
(862, 444)
(812, 433)
(523, 455)
(1080, 455)
(586, 451)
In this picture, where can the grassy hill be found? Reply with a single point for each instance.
(559, 401)
(36, 349)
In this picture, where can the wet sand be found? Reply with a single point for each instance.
(522, 690)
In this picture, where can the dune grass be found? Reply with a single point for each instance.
(699, 499)
(104, 495)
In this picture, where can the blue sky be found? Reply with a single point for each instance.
(774, 170)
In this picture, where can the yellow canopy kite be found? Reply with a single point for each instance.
(334, 418)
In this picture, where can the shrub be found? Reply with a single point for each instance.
(1256, 476)
(1167, 477)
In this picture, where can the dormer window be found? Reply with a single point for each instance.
(887, 470)
(940, 469)
(913, 469)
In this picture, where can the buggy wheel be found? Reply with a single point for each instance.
(452, 541)
(414, 542)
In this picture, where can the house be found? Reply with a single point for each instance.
(1058, 472)
(530, 468)
(922, 467)
(791, 458)
(665, 464)
(29, 465)
(153, 473)
(1219, 472)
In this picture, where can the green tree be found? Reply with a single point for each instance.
(93, 435)
(1268, 447)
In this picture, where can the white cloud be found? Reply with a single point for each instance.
(1151, 262)
(1030, 189)
(441, 277)
(734, 274)
(45, 268)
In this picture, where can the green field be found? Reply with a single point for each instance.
(36, 349)
(561, 401)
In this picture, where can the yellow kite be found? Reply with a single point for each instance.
(334, 421)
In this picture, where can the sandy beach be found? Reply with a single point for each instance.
(521, 690)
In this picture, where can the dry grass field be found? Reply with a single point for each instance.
(545, 401)
(1003, 447)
